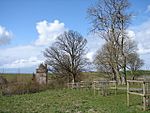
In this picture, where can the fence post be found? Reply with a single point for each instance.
(115, 87)
(94, 87)
(144, 97)
(128, 98)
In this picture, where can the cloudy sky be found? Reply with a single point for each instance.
(27, 27)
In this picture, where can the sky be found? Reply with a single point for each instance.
(27, 27)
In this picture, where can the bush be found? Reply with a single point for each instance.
(22, 88)
(57, 83)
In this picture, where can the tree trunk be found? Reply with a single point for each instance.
(133, 74)
(114, 73)
(119, 80)
(124, 71)
(74, 78)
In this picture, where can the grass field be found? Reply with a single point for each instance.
(68, 101)
(86, 76)
(17, 77)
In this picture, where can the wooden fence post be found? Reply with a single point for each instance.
(128, 98)
(115, 88)
(144, 97)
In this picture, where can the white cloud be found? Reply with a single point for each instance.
(23, 63)
(5, 36)
(131, 34)
(26, 56)
(21, 56)
(89, 55)
(142, 36)
(93, 44)
(48, 31)
(22, 51)
(148, 8)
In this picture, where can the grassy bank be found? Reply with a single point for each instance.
(68, 101)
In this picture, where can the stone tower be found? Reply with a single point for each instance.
(41, 75)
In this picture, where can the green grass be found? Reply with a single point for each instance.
(17, 77)
(138, 73)
(68, 101)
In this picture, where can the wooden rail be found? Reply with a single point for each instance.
(79, 85)
(143, 91)
(104, 87)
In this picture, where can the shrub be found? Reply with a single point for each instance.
(57, 83)
(22, 88)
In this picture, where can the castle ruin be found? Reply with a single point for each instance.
(41, 75)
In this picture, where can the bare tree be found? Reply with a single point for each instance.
(108, 59)
(134, 63)
(110, 21)
(105, 60)
(109, 15)
(66, 57)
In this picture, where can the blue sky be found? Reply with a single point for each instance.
(21, 16)
(27, 27)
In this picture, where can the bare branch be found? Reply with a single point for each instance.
(66, 57)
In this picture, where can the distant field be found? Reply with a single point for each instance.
(17, 77)
(22, 77)
(14, 74)
(68, 101)
(86, 76)
(140, 72)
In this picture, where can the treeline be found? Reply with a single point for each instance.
(109, 20)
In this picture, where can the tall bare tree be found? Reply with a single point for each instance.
(104, 60)
(134, 63)
(66, 57)
(111, 17)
